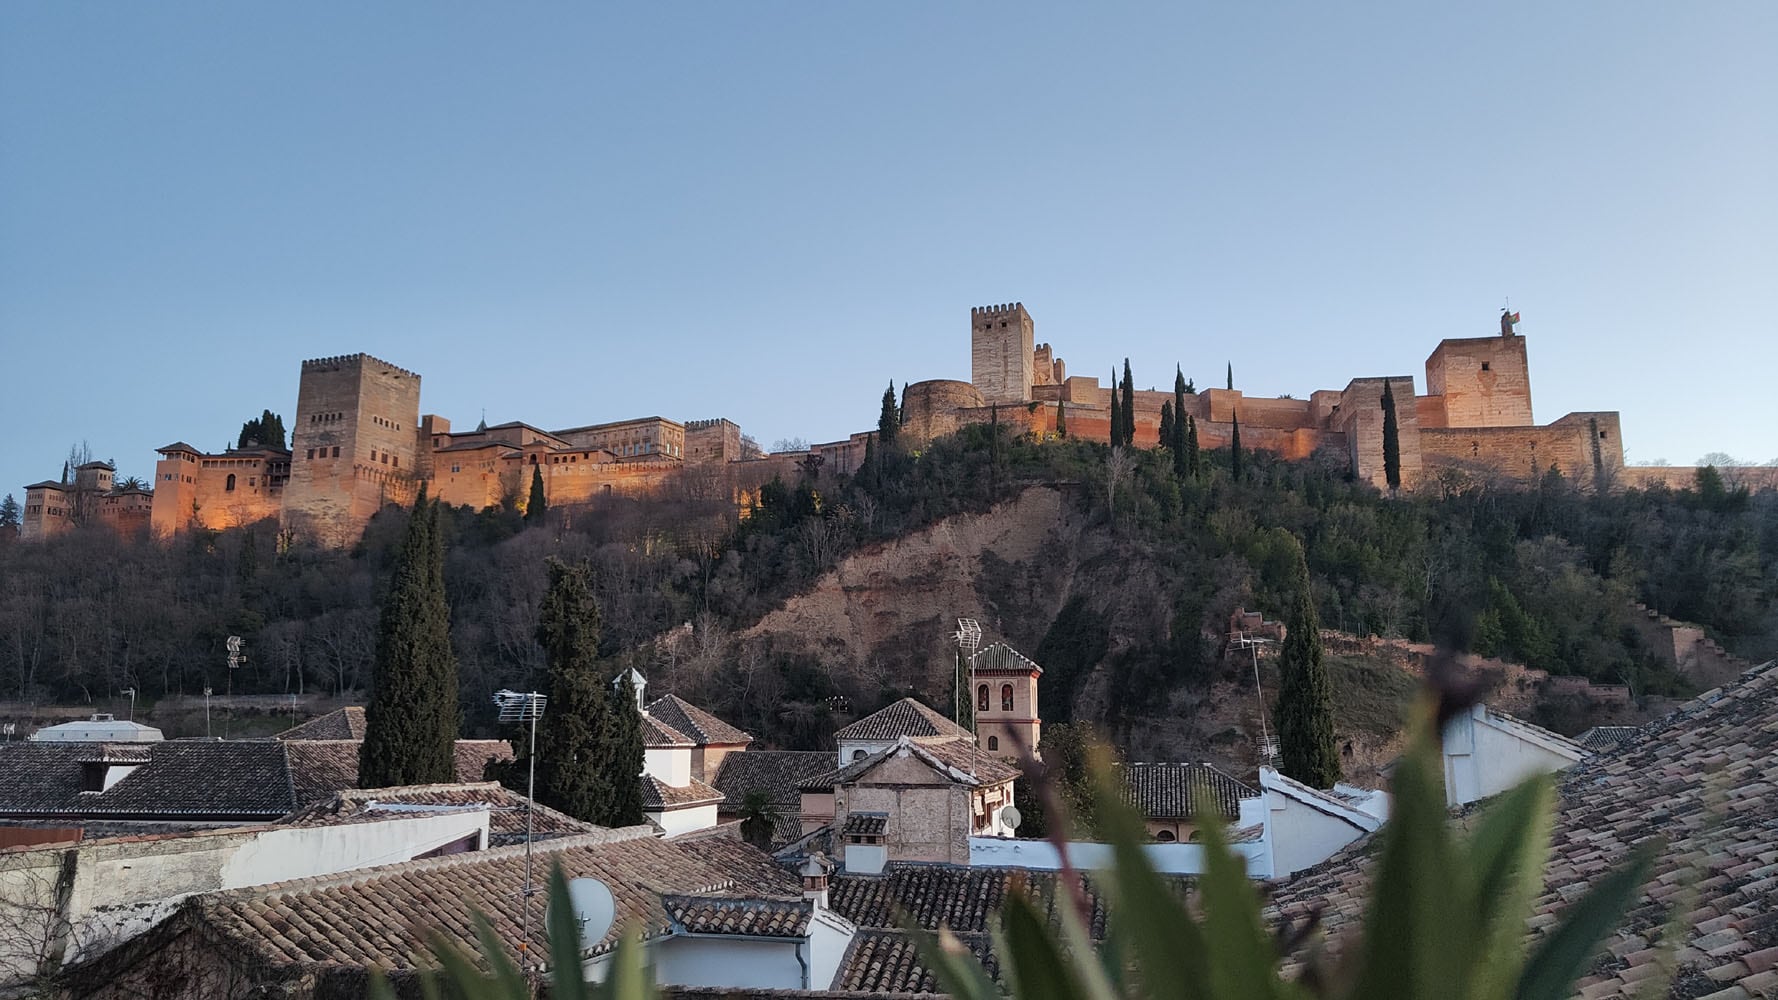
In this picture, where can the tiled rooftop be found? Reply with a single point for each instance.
(506, 809)
(701, 726)
(1000, 657)
(1606, 737)
(906, 717)
(340, 724)
(319, 768)
(657, 794)
(777, 773)
(1174, 791)
(865, 824)
(656, 733)
(1703, 778)
(180, 779)
(960, 759)
(751, 917)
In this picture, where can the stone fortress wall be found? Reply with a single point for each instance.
(360, 441)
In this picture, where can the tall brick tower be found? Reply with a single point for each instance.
(1002, 339)
(354, 445)
(1004, 682)
(1482, 381)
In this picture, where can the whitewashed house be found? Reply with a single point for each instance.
(1306, 826)
(1487, 752)
(671, 798)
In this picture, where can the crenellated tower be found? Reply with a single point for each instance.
(1002, 345)
(354, 446)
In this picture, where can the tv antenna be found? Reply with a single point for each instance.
(525, 707)
(968, 636)
(1268, 746)
(132, 693)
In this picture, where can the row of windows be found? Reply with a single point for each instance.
(326, 418)
(323, 451)
(981, 699)
(217, 463)
(380, 422)
(385, 458)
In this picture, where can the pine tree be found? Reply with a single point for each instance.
(264, 431)
(411, 722)
(1391, 440)
(571, 734)
(537, 505)
(1061, 422)
(889, 421)
(10, 515)
(1129, 407)
(1305, 695)
(1167, 425)
(1235, 447)
(622, 759)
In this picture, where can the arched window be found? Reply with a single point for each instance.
(230, 486)
(981, 698)
(993, 743)
(858, 755)
(1006, 697)
(1197, 837)
(1165, 837)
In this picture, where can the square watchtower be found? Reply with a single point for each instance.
(1001, 343)
(354, 446)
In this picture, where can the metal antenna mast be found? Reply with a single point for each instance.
(525, 707)
(1268, 747)
(968, 637)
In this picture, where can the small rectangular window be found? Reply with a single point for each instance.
(1484, 366)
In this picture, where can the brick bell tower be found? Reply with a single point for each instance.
(1005, 685)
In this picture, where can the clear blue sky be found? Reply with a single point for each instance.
(766, 211)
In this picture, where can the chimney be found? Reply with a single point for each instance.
(814, 872)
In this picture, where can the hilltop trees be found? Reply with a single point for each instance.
(9, 513)
(1235, 447)
(1304, 712)
(263, 431)
(411, 721)
(889, 420)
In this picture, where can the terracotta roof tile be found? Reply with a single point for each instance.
(701, 726)
(656, 733)
(1163, 790)
(197, 779)
(960, 759)
(906, 717)
(340, 724)
(506, 809)
(1001, 658)
(751, 917)
(657, 794)
(777, 773)
(865, 824)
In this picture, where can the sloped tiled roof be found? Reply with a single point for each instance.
(750, 917)
(1702, 779)
(318, 768)
(383, 916)
(180, 779)
(1165, 790)
(701, 726)
(1606, 737)
(888, 961)
(340, 724)
(777, 773)
(657, 734)
(506, 809)
(657, 794)
(865, 824)
(906, 717)
(960, 760)
(1001, 657)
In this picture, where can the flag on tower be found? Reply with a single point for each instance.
(1512, 318)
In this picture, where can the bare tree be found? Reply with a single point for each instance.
(1118, 466)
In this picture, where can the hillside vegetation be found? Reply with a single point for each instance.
(838, 592)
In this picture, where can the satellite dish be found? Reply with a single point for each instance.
(1010, 816)
(594, 910)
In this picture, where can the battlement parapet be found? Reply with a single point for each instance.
(698, 425)
(339, 361)
(1004, 309)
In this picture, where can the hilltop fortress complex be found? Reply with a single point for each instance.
(359, 440)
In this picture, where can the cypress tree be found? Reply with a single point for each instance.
(1061, 422)
(1391, 440)
(537, 505)
(1129, 407)
(1181, 427)
(889, 420)
(1231, 376)
(410, 725)
(1191, 445)
(623, 756)
(1305, 695)
(1235, 447)
(1167, 425)
(571, 734)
